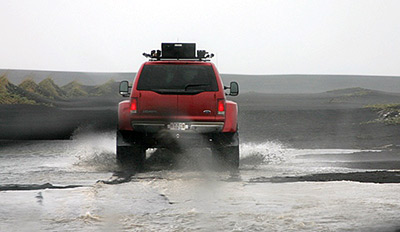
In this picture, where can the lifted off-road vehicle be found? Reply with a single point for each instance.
(176, 98)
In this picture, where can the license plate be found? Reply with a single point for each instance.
(177, 126)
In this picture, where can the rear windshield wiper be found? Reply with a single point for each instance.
(195, 85)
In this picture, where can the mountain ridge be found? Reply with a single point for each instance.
(47, 91)
(279, 83)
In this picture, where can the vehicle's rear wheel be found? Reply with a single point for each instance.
(226, 151)
(130, 154)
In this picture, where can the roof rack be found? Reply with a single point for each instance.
(178, 51)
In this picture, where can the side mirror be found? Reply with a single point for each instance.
(124, 88)
(234, 88)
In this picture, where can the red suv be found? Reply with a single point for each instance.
(177, 98)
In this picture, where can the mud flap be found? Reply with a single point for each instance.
(226, 150)
(129, 155)
(226, 139)
(122, 140)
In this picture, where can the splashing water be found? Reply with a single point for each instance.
(277, 154)
(269, 152)
(95, 150)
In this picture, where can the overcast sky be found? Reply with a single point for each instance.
(248, 37)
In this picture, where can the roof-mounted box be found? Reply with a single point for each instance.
(178, 50)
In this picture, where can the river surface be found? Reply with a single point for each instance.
(75, 185)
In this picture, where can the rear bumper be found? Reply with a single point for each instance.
(176, 139)
(188, 127)
(163, 134)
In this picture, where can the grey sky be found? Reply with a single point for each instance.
(248, 37)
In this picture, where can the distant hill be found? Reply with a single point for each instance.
(11, 94)
(110, 88)
(248, 83)
(30, 85)
(75, 89)
(351, 91)
(63, 78)
(47, 92)
(311, 83)
(360, 95)
(51, 90)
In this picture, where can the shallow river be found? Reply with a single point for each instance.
(75, 185)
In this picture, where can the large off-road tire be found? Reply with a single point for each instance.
(226, 151)
(130, 154)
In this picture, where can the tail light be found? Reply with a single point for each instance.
(133, 106)
(221, 107)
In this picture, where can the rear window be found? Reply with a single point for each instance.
(177, 77)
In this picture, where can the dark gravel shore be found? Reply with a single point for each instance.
(378, 177)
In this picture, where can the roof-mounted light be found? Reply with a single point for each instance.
(154, 54)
